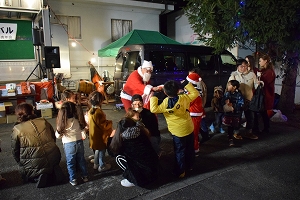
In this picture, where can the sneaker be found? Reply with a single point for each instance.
(73, 182)
(231, 142)
(222, 131)
(126, 183)
(91, 157)
(59, 175)
(237, 136)
(96, 166)
(85, 179)
(42, 181)
(251, 136)
(104, 168)
(212, 128)
(92, 161)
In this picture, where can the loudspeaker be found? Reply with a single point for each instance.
(52, 57)
(37, 37)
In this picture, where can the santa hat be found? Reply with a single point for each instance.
(218, 88)
(147, 65)
(194, 78)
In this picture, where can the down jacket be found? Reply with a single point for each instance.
(34, 148)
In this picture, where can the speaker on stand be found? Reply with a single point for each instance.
(52, 60)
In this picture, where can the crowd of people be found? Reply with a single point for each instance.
(135, 142)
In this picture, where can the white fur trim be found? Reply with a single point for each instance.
(147, 89)
(140, 71)
(191, 81)
(125, 96)
(196, 114)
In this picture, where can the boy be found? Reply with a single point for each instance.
(175, 108)
(233, 102)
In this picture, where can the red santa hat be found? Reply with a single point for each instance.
(194, 78)
(147, 65)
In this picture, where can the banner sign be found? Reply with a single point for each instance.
(8, 31)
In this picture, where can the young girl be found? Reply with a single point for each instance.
(135, 154)
(70, 124)
(99, 131)
(233, 103)
(216, 104)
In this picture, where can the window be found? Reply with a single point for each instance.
(228, 62)
(73, 24)
(119, 28)
(167, 61)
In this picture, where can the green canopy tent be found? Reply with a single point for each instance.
(135, 37)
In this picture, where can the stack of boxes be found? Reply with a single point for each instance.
(5, 117)
(46, 109)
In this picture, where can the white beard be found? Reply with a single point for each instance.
(146, 77)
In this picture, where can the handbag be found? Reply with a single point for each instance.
(257, 101)
(229, 120)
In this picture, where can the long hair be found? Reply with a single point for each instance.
(95, 99)
(269, 62)
(251, 61)
(117, 140)
(69, 110)
(24, 112)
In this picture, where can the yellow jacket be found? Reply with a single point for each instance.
(178, 118)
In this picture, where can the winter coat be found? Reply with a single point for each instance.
(268, 77)
(176, 111)
(99, 129)
(248, 83)
(34, 148)
(142, 160)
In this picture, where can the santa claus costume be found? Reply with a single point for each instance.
(135, 84)
(196, 108)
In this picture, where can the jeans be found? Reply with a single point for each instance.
(218, 119)
(184, 153)
(99, 157)
(75, 155)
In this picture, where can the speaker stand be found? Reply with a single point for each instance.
(43, 73)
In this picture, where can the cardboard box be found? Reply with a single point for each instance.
(46, 113)
(40, 106)
(11, 118)
(2, 120)
(4, 106)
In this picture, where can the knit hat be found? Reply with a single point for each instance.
(147, 65)
(194, 78)
(218, 88)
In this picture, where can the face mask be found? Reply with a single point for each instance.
(139, 109)
(146, 77)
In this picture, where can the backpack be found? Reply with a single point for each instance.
(257, 101)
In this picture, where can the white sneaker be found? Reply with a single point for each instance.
(91, 157)
(96, 166)
(104, 168)
(92, 161)
(126, 183)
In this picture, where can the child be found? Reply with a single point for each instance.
(233, 103)
(70, 124)
(216, 104)
(196, 109)
(99, 131)
(176, 111)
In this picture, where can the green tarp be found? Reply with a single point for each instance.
(135, 37)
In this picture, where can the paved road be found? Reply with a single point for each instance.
(264, 169)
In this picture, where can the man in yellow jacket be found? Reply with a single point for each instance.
(175, 108)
